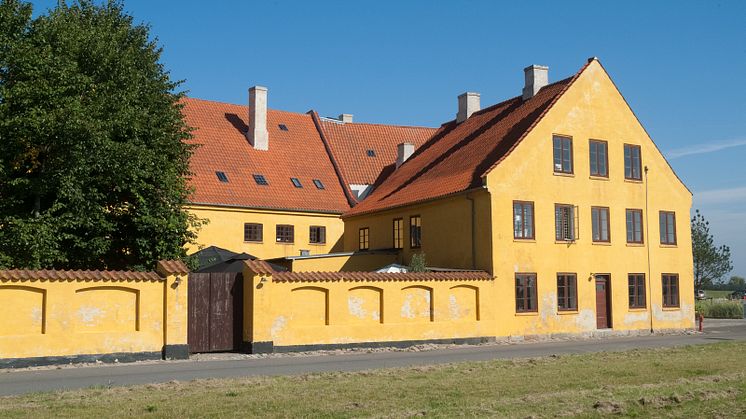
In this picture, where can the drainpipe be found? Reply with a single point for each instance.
(473, 234)
(647, 245)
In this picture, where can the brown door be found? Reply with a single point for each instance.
(215, 311)
(603, 309)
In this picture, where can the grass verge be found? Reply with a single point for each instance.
(692, 381)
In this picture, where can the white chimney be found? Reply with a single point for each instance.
(257, 133)
(537, 76)
(403, 152)
(468, 103)
(345, 117)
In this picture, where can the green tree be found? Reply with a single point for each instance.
(737, 283)
(711, 262)
(93, 162)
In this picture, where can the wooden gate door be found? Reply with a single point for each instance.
(215, 311)
(603, 311)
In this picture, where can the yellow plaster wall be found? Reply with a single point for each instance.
(446, 231)
(357, 262)
(42, 318)
(225, 228)
(337, 312)
(590, 109)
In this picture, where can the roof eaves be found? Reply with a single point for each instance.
(260, 207)
(351, 213)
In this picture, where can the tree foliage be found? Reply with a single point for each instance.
(711, 262)
(93, 162)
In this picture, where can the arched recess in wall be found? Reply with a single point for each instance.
(417, 303)
(463, 302)
(309, 306)
(107, 309)
(26, 306)
(365, 305)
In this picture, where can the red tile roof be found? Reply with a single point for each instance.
(172, 267)
(380, 276)
(298, 152)
(349, 143)
(15, 275)
(457, 157)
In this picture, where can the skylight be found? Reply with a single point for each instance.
(222, 177)
(283, 127)
(260, 180)
(318, 184)
(371, 153)
(296, 182)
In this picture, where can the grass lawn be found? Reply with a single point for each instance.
(693, 381)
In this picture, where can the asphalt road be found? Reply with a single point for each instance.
(26, 381)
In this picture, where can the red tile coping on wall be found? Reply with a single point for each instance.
(172, 267)
(15, 275)
(380, 276)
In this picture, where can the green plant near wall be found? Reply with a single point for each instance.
(417, 263)
(720, 309)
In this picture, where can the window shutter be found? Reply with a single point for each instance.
(576, 222)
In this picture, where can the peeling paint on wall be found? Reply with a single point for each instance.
(684, 313)
(355, 306)
(453, 307)
(586, 319)
(417, 304)
(635, 317)
(277, 326)
(90, 315)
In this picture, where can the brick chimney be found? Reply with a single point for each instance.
(257, 134)
(345, 117)
(537, 76)
(468, 103)
(403, 152)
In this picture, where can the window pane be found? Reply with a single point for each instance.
(528, 221)
(594, 157)
(602, 159)
(595, 220)
(604, 224)
(557, 154)
(517, 220)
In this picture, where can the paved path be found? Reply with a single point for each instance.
(20, 382)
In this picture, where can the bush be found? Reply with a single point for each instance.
(720, 309)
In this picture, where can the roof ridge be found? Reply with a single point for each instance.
(220, 102)
(334, 121)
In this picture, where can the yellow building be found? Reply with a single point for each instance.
(561, 194)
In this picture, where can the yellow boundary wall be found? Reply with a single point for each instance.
(295, 310)
(53, 317)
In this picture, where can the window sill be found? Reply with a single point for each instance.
(601, 243)
(638, 309)
(670, 245)
(564, 312)
(671, 308)
(524, 240)
(252, 242)
(317, 244)
(633, 180)
(527, 313)
(286, 243)
(562, 174)
(635, 244)
(564, 241)
(594, 177)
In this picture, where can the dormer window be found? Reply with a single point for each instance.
(260, 180)
(283, 127)
(296, 182)
(318, 184)
(222, 177)
(371, 153)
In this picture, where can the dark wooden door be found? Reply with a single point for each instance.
(215, 311)
(603, 309)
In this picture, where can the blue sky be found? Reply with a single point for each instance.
(679, 64)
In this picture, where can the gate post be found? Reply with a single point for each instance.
(175, 309)
(257, 277)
